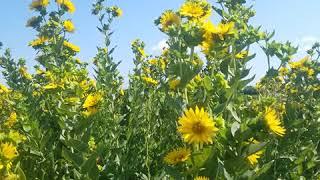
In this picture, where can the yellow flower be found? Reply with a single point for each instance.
(176, 156)
(242, 54)
(8, 151)
(121, 92)
(273, 122)
(197, 126)
(24, 73)
(195, 9)
(39, 3)
(168, 19)
(12, 119)
(71, 46)
(116, 11)
(283, 71)
(67, 4)
(163, 64)
(299, 64)
(37, 42)
(16, 136)
(4, 89)
(92, 144)
(92, 100)
(201, 178)
(150, 80)
(253, 158)
(68, 26)
(51, 86)
(12, 177)
(310, 72)
(153, 61)
(90, 111)
(224, 29)
(174, 83)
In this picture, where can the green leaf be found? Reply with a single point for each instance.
(235, 127)
(207, 83)
(262, 170)
(233, 113)
(89, 166)
(72, 157)
(200, 158)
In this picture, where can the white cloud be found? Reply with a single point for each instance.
(305, 43)
(160, 46)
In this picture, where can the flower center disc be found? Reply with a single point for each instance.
(198, 128)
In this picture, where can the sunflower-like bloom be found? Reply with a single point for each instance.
(24, 73)
(115, 11)
(201, 178)
(8, 151)
(37, 42)
(242, 54)
(12, 176)
(253, 158)
(68, 26)
(299, 64)
(224, 29)
(168, 19)
(92, 100)
(150, 81)
(273, 122)
(177, 156)
(39, 3)
(71, 46)
(67, 4)
(196, 9)
(174, 83)
(208, 36)
(197, 127)
(12, 119)
(4, 89)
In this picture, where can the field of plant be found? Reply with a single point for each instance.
(185, 114)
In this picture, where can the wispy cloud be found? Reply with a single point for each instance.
(305, 43)
(159, 46)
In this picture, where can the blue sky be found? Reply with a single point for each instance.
(294, 20)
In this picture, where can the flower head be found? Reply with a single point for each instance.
(174, 83)
(68, 26)
(196, 126)
(12, 119)
(253, 158)
(3, 89)
(8, 151)
(67, 4)
(177, 156)
(300, 63)
(39, 4)
(224, 29)
(115, 11)
(150, 80)
(273, 122)
(201, 178)
(71, 46)
(37, 42)
(168, 19)
(92, 100)
(195, 9)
